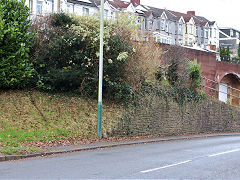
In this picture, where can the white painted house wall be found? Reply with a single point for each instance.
(77, 8)
(42, 7)
(109, 11)
(214, 36)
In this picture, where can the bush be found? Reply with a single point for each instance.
(15, 69)
(195, 74)
(66, 57)
(62, 20)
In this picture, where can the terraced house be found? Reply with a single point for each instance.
(79, 7)
(230, 37)
(169, 27)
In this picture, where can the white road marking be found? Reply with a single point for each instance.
(221, 153)
(184, 162)
(163, 167)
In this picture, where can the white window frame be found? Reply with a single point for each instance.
(85, 11)
(190, 29)
(180, 29)
(163, 21)
(105, 13)
(39, 7)
(150, 25)
(30, 5)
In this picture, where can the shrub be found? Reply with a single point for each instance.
(195, 74)
(67, 58)
(15, 69)
(62, 20)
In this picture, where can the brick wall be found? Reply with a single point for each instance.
(208, 64)
(211, 68)
(224, 68)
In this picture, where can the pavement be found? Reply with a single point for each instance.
(102, 145)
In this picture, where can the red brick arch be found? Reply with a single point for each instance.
(222, 75)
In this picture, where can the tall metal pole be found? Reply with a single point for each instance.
(99, 121)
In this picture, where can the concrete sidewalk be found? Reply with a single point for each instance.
(100, 145)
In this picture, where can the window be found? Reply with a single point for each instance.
(210, 33)
(190, 28)
(112, 15)
(162, 24)
(237, 34)
(150, 24)
(70, 8)
(190, 41)
(39, 7)
(85, 11)
(180, 29)
(158, 24)
(170, 27)
(176, 28)
(51, 5)
(196, 31)
(180, 41)
(202, 32)
(166, 26)
(31, 5)
(139, 22)
(206, 33)
(215, 32)
(231, 32)
(105, 13)
(144, 24)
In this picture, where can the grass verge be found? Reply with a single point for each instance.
(30, 119)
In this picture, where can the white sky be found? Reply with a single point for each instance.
(225, 12)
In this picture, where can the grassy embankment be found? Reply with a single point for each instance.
(30, 120)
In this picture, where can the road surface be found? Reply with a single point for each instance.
(205, 158)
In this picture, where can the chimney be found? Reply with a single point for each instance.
(135, 2)
(191, 13)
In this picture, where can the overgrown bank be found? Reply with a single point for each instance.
(31, 120)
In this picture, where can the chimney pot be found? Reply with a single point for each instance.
(191, 13)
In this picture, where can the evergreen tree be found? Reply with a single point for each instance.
(225, 54)
(15, 69)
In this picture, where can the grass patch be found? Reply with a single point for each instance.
(32, 116)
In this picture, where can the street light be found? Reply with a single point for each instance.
(99, 121)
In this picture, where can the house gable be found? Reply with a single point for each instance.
(164, 15)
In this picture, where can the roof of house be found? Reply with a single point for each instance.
(197, 19)
(186, 17)
(90, 3)
(119, 4)
(223, 28)
(146, 10)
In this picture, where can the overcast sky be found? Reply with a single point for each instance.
(225, 12)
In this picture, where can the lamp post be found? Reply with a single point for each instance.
(99, 121)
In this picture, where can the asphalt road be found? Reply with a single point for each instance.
(206, 158)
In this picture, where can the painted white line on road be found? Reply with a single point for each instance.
(221, 153)
(163, 167)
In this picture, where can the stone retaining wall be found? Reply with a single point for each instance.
(155, 116)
